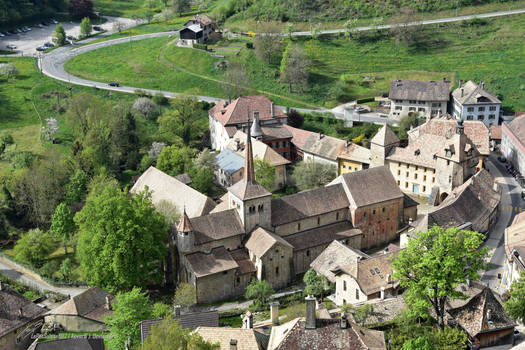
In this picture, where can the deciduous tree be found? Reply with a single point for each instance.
(122, 240)
(179, 6)
(315, 284)
(264, 174)
(185, 296)
(206, 159)
(129, 310)
(202, 180)
(433, 265)
(311, 174)
(515, 305)
(85, 27)
(33, 247)
(294, 67)
(259, 291)
(62, 224)
(59, 36)
(267, 42)
(235, 81)
(175, 160)
(81, 8)
(180, 123)
(295, 119)
(168, 335)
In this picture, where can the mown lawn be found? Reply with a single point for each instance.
(489, 50)
(119, 8)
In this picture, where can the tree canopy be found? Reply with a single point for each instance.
(264, 174)
(168, 335)
(433, 266)
(311, 174)
(62, 224)
(515, 305)
(185, 296)
(259, 291)
(122, 240)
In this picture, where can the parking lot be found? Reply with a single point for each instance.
(26, 43)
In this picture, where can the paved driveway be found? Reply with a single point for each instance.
(27, 43)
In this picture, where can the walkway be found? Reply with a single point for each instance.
(31, 279)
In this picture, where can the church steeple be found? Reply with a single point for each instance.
(249, 170)
(184, 223)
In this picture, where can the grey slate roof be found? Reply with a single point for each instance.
(370, 186)
(385, 137)
(419, 90)
(336, 254)
(474, 94)
(187, 320)
(322, 235)
(471, 202)
(184, 178)
(517, 127)
(70, 344)
(408, 201)
(248, 190)
(10, 303)
(205, 264)
(229, 161)
(216, 226)
(308, 203)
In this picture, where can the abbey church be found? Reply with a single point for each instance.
(219, 248)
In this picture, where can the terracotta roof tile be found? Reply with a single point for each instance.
(242, 258)
(517, 127)
(237, 111)
(495, 132)
(246, 339)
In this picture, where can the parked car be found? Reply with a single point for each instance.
(114, 83)
(53, 21)
(11, 47)
(2, 35)
(97, 28)
(41, 48)
(70, 37)
(48, 44)
(502, 159)
(6, 33)
(43, 23)
(360, 109)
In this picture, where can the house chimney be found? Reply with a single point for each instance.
(108, 303)
(468, 282)
(310, 312)
(460, 83)
(247, 321)
(495, 186)
(272, 109)
(462, 91)
(444, 78)
(20, 312)
(1, 285)
(274, 312)
(382, 293)
(489, 314)
(482, 84)
(321, 135)
(176, 311)
(256, 130)
(233, 344)
(344, 322)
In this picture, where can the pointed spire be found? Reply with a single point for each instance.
(249, 171)
(184, 223)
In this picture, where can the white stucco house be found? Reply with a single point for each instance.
(427, 98)
(471, 101)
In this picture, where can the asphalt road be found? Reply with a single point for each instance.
(417, 23)
(510, 199)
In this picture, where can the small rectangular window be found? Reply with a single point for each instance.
(357, 294)
(344, 286)
(277, 270)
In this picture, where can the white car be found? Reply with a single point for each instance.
(11, 47)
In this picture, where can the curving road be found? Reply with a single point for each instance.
(52, 63)
(417, 23)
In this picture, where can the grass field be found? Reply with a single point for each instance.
(119, 8)
(489, 50)
(30, 95)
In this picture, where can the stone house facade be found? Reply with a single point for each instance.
(513, 142)
(427, 98)
(514, 251)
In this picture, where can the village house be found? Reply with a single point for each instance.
(83, 313)
(481, 316)
(495, 137)
(250, 235)
(432, 164)
(514, 251)
(234, 338)
(197, 30)
(261, 151)
(345, 156)
(366, 279)
(471, 101)
(383, 312)
(311, 332)
(427, 98)
(75, 343)
(20, 319)
(226, 118)
(230, 166)
(187, 320)
(513, 142)
(475, 203)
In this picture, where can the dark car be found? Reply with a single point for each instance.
(41, 48)
(502, 159)
(97, 28)
(48, 44)
(114, 83)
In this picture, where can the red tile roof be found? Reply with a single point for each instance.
(237, 111)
